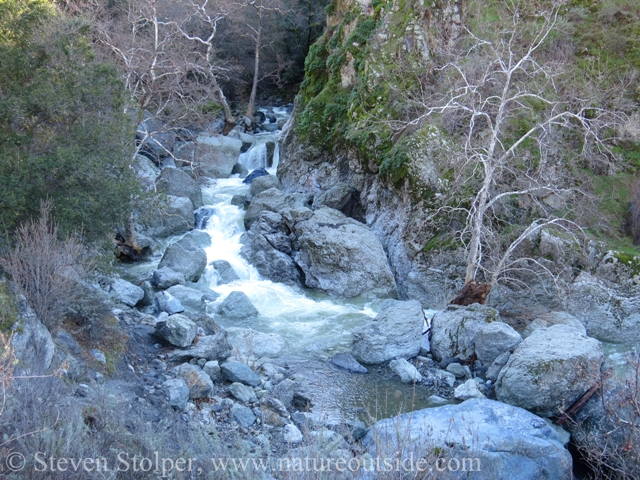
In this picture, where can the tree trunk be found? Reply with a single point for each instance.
(256, 72)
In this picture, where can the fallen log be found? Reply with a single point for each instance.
(576, 406)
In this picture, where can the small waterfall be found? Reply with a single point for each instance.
(255, 157)
(276, 158)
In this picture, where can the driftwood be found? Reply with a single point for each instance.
(576, 406)
(472, 292)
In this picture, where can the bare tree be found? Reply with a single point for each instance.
(505, 100)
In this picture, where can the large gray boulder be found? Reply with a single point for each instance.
(263, 183)
(177, 392)
(248, 344)
(32, 344)
(606, 315)
(493, 339)
(186, 257)
(198, 382)
(396, 332)
(493, 441)
(550, 370)
(336, 197)
(175, 218)
(178, 330)
(237, 305)
(209, 347)
(193, 301)
(453, 330)
(546, 320)
(215, 157)
(164, 278)
(273, 200)
(341, 256)
(225, 272)
(173, 181)
(146, 171)
(126, 292)
(266, 245)
(165, 302)
(407, 372)
(239, 372)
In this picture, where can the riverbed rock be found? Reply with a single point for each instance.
(165, 302)
(550, 370)
(126, 292)
(468, 390)
(504, 440)
(341, 256)
(273, 200)
(239, 372)
(215, 157)
(174, 218)
(453, 330)
(177, 392)
(209, 347)
(199, 383)
(347, 362)
(396, 332)
(336, 197)
(255, 174)
(165, 277)
(178, 330)
(407, 372)
(497, 365)
(291, 434)
(263, 183)
(173, 181)
(243, 393)
(248, 344)
(186, 257)
(266, 245)
(237, 305)
(146, 171)
(225, 272)
(546, 320)
(493, 339)
(436, 377)
(243, 415)
(193, 301)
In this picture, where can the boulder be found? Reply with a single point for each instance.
(209, 347)
(146, 171)
(243, 415)
(242, 392)
(126, 292)
(407, 372)
(225, 272)
(546, 320)
(164, 278)
(177, 392)
(215, 157)
(273, 412)
(178, 330)
(337, 197)
(257, 173)
(291, 434)
(173, 181)
(453, 330)
(193, 301)
(458, 370)
(32, 344)
(341, 256)
(347, 362)
(157, 139)
(240, 170)
(263, 183)
(273, 200)
(497, 365)
(267, 247)
(497, 442)
(248, 344)
(606, 315)
(396, 332)
(468, 390)
(550, 370)
(175, 218)
(285, 391)
(237, 305)
(198, 382)
(239, 372)
(493, 339)
(439, 378)
(186, 257)
(165, 302)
